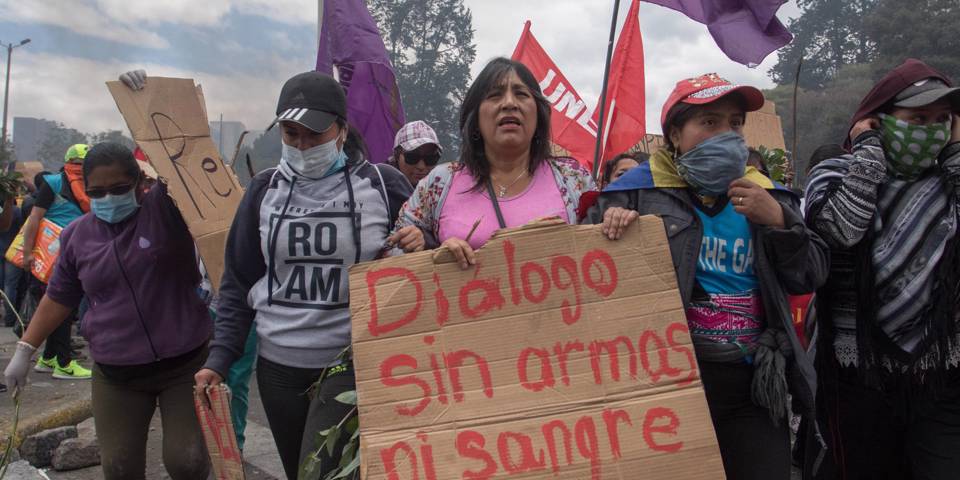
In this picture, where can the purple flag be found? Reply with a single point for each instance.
(350, 41)
(746, 30)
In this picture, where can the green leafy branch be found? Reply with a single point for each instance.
(349, 427)
(778, 164)
(7, 457)
(11, 184)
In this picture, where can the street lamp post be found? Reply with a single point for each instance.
(6, 89)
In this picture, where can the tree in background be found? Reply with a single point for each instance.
(115, 136)
(262, 152)
(60, 138)
(55, 145)
(823, 114)
(923, 29)
(11, 182)
(828, 35)
(7, 155)
(430, 43)
(847, 47)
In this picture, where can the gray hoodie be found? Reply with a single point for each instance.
(287, 259)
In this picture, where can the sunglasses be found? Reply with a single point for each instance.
(430, 159)
(115, 190)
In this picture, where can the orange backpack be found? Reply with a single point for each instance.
(74, 173)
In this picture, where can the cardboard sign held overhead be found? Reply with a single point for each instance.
(169, 122)
(560, 355)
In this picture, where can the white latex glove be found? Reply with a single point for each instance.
(134, 79)
(19, 367)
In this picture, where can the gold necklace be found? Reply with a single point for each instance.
(502, 190)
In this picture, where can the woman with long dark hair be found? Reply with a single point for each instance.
(506, 176)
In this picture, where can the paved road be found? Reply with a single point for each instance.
(46, 395)
(260, 453)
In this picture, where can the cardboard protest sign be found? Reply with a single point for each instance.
(169, 123)
(561, 354)
(212, 405)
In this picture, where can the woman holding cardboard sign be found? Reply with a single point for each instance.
(739, 246)
(132, 257)
(506, 176)
(298, 229)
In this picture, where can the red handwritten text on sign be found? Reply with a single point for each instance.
(560, 355)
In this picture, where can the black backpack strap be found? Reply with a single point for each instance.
(496, 204)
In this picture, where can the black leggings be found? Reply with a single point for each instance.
(884, 435)
(752, 447)
(294, 418)
(58, 343)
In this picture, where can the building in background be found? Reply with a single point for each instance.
(764, 128)
(28, 136)
(29, 169)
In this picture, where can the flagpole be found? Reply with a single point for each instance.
(792, 165)
(319, 20)
(603, 93)
(517, 52)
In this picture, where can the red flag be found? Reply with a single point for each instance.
(624, 122)
(572, 126)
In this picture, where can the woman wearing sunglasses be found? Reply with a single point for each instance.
(416, 151)
(133, 258)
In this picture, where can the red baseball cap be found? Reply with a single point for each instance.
(708, 88)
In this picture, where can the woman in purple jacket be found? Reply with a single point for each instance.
(133, 258)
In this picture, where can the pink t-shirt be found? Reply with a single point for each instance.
(463, 207)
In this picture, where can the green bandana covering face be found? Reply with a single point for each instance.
(912, 149)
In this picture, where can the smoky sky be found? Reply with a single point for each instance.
(241, 51)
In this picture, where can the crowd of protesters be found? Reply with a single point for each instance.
(874, 236)
(58, 198)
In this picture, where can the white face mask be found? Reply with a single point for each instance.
(313, 162)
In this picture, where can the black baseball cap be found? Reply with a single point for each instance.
(925, 92)
(313, 100)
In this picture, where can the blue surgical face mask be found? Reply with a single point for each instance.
(316, 162)
(711, 166)
(115, 208)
